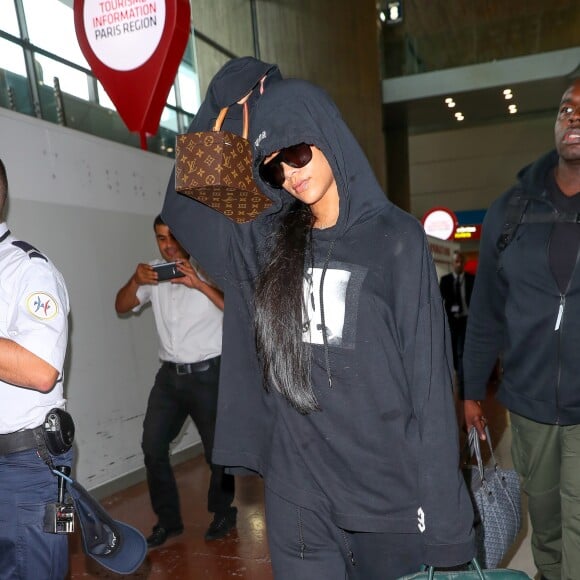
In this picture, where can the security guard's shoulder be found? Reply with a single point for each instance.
(29, 249)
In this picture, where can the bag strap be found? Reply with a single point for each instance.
(475, 447)
(516, 210)
(246, 120)
(516, 214)
(473, 565)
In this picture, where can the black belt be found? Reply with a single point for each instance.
(189, 368)
(20, 440)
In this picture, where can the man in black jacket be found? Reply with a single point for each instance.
(526, 308)
(456, 288)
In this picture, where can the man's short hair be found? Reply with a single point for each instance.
(158, 221)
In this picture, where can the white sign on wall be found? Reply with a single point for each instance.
(124, 34)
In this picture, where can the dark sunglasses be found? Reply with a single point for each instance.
(296, 156)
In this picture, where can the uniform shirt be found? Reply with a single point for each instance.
(34, 308)
(188, 323)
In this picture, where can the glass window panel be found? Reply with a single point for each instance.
(8, 20)
(169, 119)
(71, 81)
(59, 39)
(12, 57)
(188, 89)
(186, 120)
(104, 99)
(14, 87)
(171, 100)
(188, 55)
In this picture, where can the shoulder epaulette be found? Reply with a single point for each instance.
(29, 249)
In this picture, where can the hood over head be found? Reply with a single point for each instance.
(232, 82)
(532, 177)
(294, 111)
(237, 77)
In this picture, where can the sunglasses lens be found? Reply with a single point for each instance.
(296, 156)
(272, 173)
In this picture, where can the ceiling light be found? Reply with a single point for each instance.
(382, 16)
(451, 104)
(459, 116)
(513, 109)
(448, 100)
(507, 94)
(394, 11)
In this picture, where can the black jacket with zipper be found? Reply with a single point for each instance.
(519, 313)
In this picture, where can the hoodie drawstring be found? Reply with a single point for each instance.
(322, 320)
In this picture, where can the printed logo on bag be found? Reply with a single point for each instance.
(42, 305)
(216, 169)
(421, 520)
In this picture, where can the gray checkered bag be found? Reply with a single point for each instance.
(495, 493)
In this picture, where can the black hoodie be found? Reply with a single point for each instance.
(518, 311)
(382, 454)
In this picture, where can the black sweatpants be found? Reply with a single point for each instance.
(305, 545)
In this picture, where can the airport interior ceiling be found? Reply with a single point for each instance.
(439, 35)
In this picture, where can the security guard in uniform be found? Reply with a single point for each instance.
(34, 308)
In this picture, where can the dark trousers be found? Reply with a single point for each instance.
(174, 397)
(307, 545)
(457, 326)
(26, 486)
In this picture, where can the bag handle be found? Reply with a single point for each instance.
(475, 447)
(474, 565)
(246, 122)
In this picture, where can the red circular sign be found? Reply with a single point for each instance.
(440, 222)
(134, 48)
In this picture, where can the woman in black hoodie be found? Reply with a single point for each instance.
(333, 306)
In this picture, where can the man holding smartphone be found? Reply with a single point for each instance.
(188, 312)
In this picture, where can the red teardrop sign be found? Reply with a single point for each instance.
(134, 48)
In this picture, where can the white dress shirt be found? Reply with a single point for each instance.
(189, 324)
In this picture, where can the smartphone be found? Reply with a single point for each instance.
(167, 270)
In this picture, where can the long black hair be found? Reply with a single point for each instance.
(279, 316)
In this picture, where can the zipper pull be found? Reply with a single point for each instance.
(560, 313)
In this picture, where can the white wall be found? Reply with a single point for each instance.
(89, 204)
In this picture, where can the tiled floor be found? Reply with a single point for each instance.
(243, 554)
